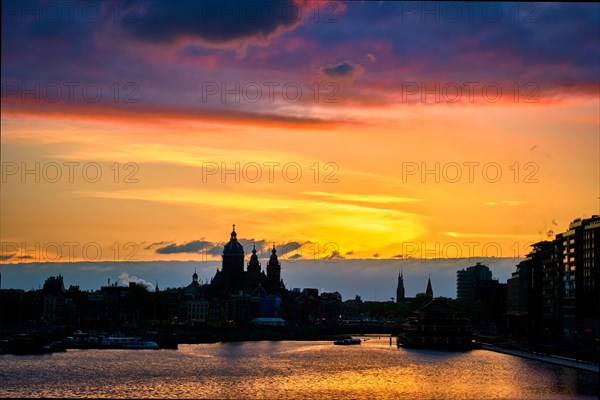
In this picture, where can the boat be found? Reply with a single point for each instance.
(347, 342)
(29, 344)
(81, 340)
(53, 347)
(436, 325)
(128, 343)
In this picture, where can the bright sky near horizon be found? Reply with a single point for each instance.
(337, 130)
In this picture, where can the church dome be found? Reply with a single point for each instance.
(233, 247)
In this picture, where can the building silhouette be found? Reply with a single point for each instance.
(231, 279)
(517, 300)
(483, 298)
(436, 324)
(466, 280)
(554, 292)
(235, 297)
(580, 246)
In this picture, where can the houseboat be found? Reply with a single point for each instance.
(437, 325)
(129, 343)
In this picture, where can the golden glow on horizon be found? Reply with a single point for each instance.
(370, 206)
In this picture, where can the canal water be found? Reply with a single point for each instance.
(290, 370)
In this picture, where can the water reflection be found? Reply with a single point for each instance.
(294, 370)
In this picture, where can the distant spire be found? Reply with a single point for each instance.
(274, 272)
(429, 291)
(400, 288)
(254, 264)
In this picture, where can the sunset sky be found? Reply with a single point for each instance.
(357, 130)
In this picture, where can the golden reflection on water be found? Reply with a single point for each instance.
(289, 370)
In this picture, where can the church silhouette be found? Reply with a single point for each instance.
(232, 278)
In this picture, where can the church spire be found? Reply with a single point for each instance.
(194, 278)
(274, 272)
(400, 287)
(429, 291)
(254, 264)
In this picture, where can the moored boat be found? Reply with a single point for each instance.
(29, 344)
(347, 342)
(127, 342)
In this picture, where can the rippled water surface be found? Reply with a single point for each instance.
(292, 370)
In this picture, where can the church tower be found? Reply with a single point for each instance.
(274, 271)
(400, 288)
(429, 291)
(194, 279)
(233, 257)
(254, 264)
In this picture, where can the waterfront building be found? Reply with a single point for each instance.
(232, 279)
(466, 280)
(243, 295)
(552, 289)
(54, 299)
(517, 306)
(554, 292)
(330, 307)
(436, 325)
(581, 280)
(483, 298)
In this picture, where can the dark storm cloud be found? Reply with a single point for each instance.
(216, 249)
(263, 248)
(8, 257)
(178, 44)
(335, 255)
(288, 247)
(155, 244)
(195, 246)
(554, 45)
(212, 21)
(342, 69)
